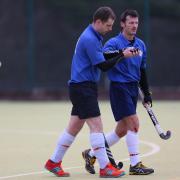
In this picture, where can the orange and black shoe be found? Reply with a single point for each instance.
(140, 169)
(56, 169)
(89, 161)
(111, 172)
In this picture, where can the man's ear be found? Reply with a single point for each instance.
(98, 21)
(122, 24)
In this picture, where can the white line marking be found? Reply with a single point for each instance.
(27, 132)
(155, 149)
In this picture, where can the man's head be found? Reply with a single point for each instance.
(129, 21)
(103, 20)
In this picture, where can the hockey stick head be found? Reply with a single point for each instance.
(165, 136)
(120, 165)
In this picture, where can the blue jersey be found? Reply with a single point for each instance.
(128, 70)
(88, 53)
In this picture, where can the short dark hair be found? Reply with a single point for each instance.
(128, 12)
(104, 13)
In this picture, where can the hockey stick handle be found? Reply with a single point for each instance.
(155, 122)
(109, 153)
(154, 119)
(110, 156)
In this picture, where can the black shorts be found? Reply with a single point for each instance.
(84, 99)
(123, 98)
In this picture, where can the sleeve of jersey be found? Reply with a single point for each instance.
(94, 52)
(110, 50)
(109, 46)
(111, 54)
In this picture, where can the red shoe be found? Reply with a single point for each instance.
(56, 169)
(111, 172)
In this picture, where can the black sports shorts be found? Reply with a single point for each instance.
(84, 99)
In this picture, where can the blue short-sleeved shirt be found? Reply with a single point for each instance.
(127, 70)
(88, 53)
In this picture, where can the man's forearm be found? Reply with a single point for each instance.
(108, 64)
(112, 54)
(144, 82)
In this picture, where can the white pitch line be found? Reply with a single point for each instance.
(155, 149)
(23, 174)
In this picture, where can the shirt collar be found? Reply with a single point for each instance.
(97, 34)
(127, 42)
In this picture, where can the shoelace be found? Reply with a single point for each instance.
(110, 166)
(141, 165)
(92, 161)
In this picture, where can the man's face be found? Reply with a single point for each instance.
(105, 27)
(130, 25)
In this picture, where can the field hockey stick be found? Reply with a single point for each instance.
(155, 122)
(110, 156)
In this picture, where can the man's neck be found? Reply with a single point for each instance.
(128, 37)
(95, 27)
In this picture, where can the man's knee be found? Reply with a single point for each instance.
(121, 132)
(132, 123)
(75, 125)
(95, 124)
(121, 129)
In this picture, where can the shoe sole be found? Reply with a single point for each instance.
(66, 175)
(62, 175)
(122, 174)
(134, 173)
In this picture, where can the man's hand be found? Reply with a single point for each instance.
(130, 52)
(147, 100)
